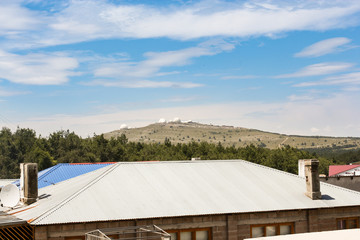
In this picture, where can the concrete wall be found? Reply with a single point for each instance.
(223, 227)
(350, 182)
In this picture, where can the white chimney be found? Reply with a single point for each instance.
(301, 167)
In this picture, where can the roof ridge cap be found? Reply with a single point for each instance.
(68, 199)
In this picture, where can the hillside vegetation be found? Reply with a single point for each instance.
(178, 132)
(24, 145)
(66, 147)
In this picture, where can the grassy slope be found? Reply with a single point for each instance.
(228, 136)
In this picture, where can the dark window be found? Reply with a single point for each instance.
(190, 234)
(265, 230)
(347, 223)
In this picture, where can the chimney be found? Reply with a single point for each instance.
(312, 179)
(301, 167)
(28, 182)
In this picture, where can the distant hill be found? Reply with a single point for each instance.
(179, 132)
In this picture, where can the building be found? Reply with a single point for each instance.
(344, 170)
(191, 200)
(346, 176)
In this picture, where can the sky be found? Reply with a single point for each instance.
(92, 66)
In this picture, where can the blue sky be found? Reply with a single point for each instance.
(90, 66)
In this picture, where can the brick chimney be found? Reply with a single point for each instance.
(28, 182)
(312, 179)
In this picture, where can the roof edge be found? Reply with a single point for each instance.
(198, 215)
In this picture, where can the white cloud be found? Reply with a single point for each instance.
(333, 116)
(314, 130)
(351, 89)
(180, 99)
(143, 84)
(295, 97)
(199, 20)
(239, 77)
(37, 68)
(87, 20)
(161, 74)
(324, 47)
(14, 18)
(153, 63)
(56, 68)
(344, 79)
(9, 93)
(318, 69)
(130, 74)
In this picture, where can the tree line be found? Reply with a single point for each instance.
(24, 145)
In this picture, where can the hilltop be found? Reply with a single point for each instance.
(185, 132)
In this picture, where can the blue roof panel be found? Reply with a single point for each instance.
(65, 171)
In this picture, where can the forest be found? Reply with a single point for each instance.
(23, 145)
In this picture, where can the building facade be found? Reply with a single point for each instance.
(191, 200)
(223, 226)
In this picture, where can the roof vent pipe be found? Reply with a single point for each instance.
(28, 182)
(312, 179)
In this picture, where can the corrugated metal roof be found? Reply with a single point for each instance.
(169, 189)
(65, 171)
(336, 169)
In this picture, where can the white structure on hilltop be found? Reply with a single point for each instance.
(162, 120)
(176, 120)
(124, 126)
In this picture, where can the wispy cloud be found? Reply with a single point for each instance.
(153, 63)
(37, 68)
(14, 18)
(295, 97)
(344, 79)
(130, 74)
(143, 84)
(203, 20)
(239, 77)
(79, 21)
(318, 69)
(180, 99)
(325, 47)
(9, 93)
(351, 89)
(116, 70)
